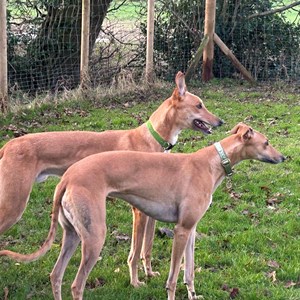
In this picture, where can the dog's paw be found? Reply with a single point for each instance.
(193, 296)
(153, 274)
(138, 284)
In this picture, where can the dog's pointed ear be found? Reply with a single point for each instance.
(248, 134)
(245, 131)
(180, 83)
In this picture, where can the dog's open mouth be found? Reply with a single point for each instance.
(200, 125)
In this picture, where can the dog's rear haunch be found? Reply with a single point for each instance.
(174, 188)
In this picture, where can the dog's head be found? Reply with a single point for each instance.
(190, 109)
(256, 145)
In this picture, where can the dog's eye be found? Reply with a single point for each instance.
(199, 105)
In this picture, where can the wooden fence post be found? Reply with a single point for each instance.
(84, 54)
(193, 65)
(150, 42)
(4, 105)
(209, 29)
(247, 75)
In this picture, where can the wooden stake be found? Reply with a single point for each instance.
(209, 29)
(191, 69)
(150, 42)
(4, 105)
(233, 59)
(85, 34)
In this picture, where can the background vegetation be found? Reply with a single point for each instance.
(268, 46)
(44, 40)
(248, 241)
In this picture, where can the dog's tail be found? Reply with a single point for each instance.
(59, 192)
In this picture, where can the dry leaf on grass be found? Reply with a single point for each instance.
(273, 264)
(271, 275)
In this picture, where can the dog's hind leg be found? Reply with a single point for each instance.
(70, 242)
(87, 213)
(91, 248)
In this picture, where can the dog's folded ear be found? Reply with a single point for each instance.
(180, 83)
(243, 130)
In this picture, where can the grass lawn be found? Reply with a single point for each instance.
(248, 245)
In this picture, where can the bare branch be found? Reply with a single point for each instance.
(116, 7)
(274, 11)
(193, 32)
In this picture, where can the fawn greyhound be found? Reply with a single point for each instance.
(36, 156)
(174, 188)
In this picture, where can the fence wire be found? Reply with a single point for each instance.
(44, 41)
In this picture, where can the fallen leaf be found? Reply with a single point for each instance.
(234, 292)
(265, 189)
(291, 284)
(272, 275)
(249, 118)
(120, 236)
(273, 264)
(228, 207)
(235, 195)
(277, 198)
(95, 283)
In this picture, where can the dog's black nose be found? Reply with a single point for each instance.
(283, 158)
(221, 122)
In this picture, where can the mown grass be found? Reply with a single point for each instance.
(248, 245)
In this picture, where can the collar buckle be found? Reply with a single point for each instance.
(226, 164)
(169, 147)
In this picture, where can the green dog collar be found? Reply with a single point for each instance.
(225, 161)
(166, 145)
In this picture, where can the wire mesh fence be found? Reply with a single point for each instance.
(44, 40)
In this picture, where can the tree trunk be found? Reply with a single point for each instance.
(54, 54)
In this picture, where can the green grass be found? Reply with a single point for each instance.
(124, 12)
(242, 239)
(291, 14)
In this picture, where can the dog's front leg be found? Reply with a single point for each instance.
(138, 229)
(147, 247)
(189, 265)
(180, 240)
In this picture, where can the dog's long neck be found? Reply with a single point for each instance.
(164, 122)
(233, 150)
